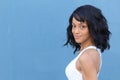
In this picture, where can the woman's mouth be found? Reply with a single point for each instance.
(76, 37)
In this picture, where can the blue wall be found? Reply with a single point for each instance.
(32, 34)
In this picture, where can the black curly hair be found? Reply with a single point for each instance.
(97, 25)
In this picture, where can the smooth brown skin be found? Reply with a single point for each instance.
(89, 62)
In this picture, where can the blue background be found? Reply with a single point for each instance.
(32, 34)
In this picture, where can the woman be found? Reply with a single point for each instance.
(88, 33)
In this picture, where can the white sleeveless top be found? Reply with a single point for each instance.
(71, 72)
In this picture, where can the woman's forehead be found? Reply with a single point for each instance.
(78, 22)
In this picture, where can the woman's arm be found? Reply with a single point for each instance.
(89, 65)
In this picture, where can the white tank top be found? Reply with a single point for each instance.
(71, 72)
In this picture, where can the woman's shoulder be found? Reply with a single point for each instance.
(90, 60)
(89, 55)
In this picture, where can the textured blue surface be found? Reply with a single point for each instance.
(32, 34)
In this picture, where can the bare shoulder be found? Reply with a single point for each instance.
(90, 60)
(90, 54)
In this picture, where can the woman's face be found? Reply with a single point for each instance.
(80, 31)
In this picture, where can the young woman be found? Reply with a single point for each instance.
(88, 33)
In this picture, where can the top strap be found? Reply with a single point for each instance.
(89, 47)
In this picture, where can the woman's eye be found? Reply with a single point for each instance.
(82, 27)
(73, 26)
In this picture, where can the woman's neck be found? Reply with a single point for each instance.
(86, 44)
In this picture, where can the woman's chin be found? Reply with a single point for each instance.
(78, 41)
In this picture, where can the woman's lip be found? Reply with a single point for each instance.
(76, 37)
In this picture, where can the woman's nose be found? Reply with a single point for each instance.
(76, 30)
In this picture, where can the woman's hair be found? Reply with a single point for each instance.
(97, 25)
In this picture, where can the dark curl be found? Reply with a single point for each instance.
(97, 25)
